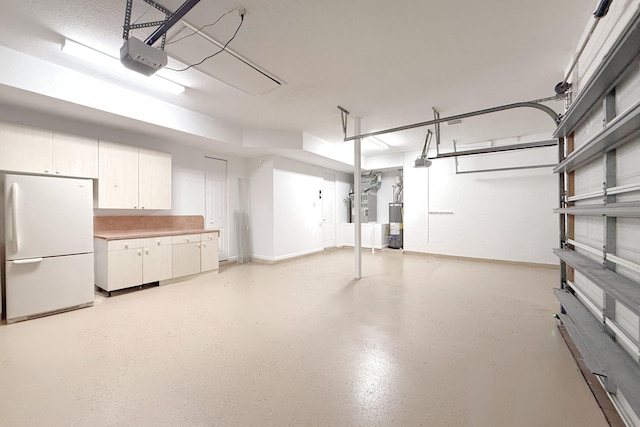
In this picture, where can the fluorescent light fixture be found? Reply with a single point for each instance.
(112, 63)
(378, 142)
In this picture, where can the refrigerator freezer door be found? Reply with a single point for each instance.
(47, 216)
(42, 285)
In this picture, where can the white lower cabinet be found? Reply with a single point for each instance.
(118, 263)
(156, 259)
(121, 264)
(186, 255)
(125, 269)
(209, 251)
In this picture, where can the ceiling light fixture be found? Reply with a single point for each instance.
(112, 63)
(378, 142)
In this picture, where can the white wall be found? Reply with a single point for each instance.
(286, 208)
(261, 212)
(297, 208)
(491, 215)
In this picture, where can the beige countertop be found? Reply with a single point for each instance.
(141, 234)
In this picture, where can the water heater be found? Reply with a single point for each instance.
(395, 225)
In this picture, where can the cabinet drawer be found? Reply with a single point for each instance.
(118, 245)
(208, 237)
(186, 238)
(158, 241)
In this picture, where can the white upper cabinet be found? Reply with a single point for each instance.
(128, 177)
(75, 156)
(24, 149)
(133, 178)
(154, 179)
(31, 150)
(118, 176)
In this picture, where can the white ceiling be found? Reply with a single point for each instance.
(388, 62)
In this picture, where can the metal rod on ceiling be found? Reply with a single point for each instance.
(344, 114)
(436, 116)
(456, 157)
(505, 169)
(523, 146)
(127, 19)
(171, 21)
(530, 104)
(160, 7)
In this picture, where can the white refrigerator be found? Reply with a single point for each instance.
(48, 245)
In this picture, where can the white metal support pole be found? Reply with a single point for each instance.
(357, 241)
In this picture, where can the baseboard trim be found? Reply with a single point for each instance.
(272, 261)
(287, 258)
(475, 259)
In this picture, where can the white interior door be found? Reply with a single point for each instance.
(328, 211)
(216, 203)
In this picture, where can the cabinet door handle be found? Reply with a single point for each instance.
(126, 246)
(27, 261)
(46, 171)
(14, 215)
(158, 242)
(57, 172)
(204, 245)
(139, 253)
(146, 251)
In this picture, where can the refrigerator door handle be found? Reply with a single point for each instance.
(27, 261)
(14, 215)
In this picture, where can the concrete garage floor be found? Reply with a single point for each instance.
(419, 341)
